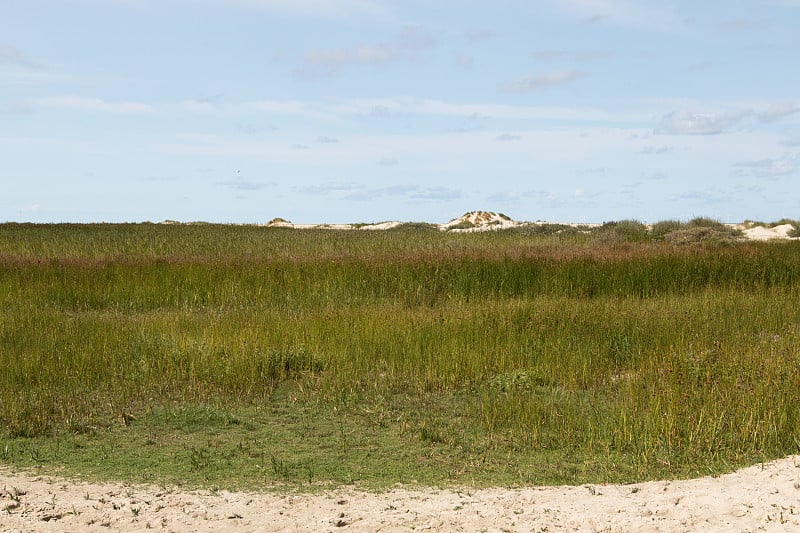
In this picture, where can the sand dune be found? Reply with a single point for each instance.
(761, 233)
(476, 221)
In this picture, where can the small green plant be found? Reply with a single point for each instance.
(278, 365)
(279, 467)
(432, 432)
(200, 458)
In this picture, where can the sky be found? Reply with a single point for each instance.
(343, 111)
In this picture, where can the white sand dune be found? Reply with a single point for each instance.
(759, 498)
(761, 233)
(476, 221)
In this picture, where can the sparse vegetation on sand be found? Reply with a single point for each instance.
(243, 356)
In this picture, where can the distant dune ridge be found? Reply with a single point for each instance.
(471, 221)
(474, 221)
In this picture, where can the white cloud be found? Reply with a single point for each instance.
(701, 65)
(129, 3)
(94, 104)
(478, 36)
(407, 45)
(656, 176)
(412, 192)
(546, 80)
(778, 111)
(503, 111)
(709, 117)
(199, 106)
(11, 55)
(203, 138)
(308, 109)
(742, 25)
(387, 107)
(321, 63)
(655, 150)
(637, 14)
(313, 8)
(327, 188)
(33, 208)
(550, 55)
(508, 137)
(463, 60)
(516, 196)
(373, 194)
(291, 107)
(15, 108)
(570, 55)
(436, 193)
(691, 123)
(249, 128)
(243, 185)
(699, 197)
(388, 161)
(769, 168)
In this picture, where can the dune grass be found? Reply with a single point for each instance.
(239, 356)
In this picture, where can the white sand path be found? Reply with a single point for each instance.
(759, 498)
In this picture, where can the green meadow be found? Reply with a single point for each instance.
(249, 357)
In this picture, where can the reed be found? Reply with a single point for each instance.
(644, 352)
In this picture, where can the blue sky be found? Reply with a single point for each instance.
(325, 111)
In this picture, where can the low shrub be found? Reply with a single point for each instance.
(661, 229)
(701, 234)
(704, 222)
(623, 231)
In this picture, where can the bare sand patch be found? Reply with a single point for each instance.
(758, 498)
(761, 233)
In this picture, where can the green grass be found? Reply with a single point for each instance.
(238, 356)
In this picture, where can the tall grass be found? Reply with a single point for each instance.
(656, 352)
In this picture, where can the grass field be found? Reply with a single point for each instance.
(241, 356)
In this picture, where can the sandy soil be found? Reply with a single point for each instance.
(760, 233)
(759, 498)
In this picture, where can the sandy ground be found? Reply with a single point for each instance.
(759, 498)
(760, 233)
